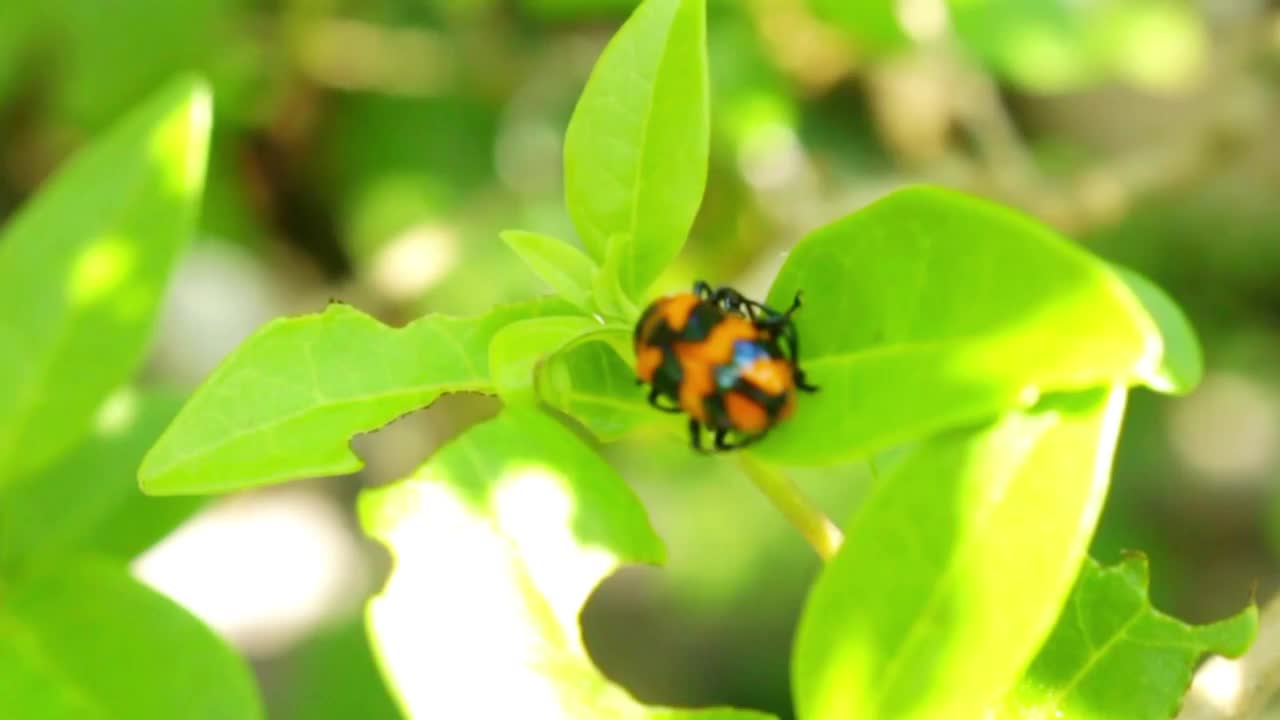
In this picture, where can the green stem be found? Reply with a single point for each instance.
(818, 530)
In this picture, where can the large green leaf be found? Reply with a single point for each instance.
(562, 266)
(83, 267)
(956, 565)
(497, 541)
(1112, 655)
(635, 153)
(930, 308)
(88, 499)
(286, 403)
(88, 642)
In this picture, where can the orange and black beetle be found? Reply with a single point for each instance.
(728, 362)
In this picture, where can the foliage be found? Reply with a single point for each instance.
(82, 270)
(977, 360)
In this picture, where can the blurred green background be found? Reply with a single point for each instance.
(371, 150)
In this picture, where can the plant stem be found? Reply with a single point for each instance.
(818, 530)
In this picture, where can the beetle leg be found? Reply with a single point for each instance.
(802, 384)
(703, 290)
(695, 434)
(653, 400)
(720, 443)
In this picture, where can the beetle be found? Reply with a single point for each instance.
(728, 362)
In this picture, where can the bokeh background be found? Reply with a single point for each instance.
(371, 150)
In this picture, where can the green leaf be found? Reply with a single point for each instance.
(517, 350)
(89, 642)
(956, 565)
(1111, 641)
(931, 308)
(498, 541)
(285, 404)
(591, 383)
(635, 153)
(1182, 364)
(89, 499)
(561, 266)
(83, 267)
(606, 285)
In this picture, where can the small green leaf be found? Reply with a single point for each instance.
(591, 383)
(635, 153)
(517, 350)
(83, 268)
(285, 404)
(561, 266)
(931, 308)
(956, 565)
(1109, 642)
(89, 642)
(497, 542)
(606, 287)
(89, 499)
(1182, 363)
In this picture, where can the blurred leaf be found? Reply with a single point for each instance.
(89, 642)
(335, 678)
(930, 308)
(561, 266)
(1182, 364)
(21, 23)
(498, 540)
(517, 349)
(636, 148)
(1061, 45)
(89, 499)
(988, 528)
(112, 55)
(83, 267)
(285, 404)
(872, 26)
(1110, 642)
(591, 383)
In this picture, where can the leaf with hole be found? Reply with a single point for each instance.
(1109, 641)
(286, 403)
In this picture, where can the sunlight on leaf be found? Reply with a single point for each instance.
(563, 267)
(497, 541)
(956, 565)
